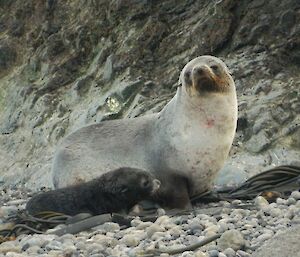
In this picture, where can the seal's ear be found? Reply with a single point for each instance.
(179, 83)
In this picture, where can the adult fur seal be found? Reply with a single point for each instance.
(184, 145)
(116, 191)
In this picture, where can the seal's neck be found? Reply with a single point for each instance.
(207, 111)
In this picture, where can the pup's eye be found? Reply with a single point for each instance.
(124, 189)
(214, 67)
(145, 183)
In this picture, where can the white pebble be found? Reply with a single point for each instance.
(275, 212)
(261, 202)
(158, 235)
(153, 229)
(54, 245)
(211, 230)
(6, 211)
(136, 221)
(236, 202)
(176, 231)
(33, 250)
(16, 202)
(264, 237)
(241, 253)
(295, 195)
(229, 252)
(143, 225)
(94, 248)
(200, 254)
(280, 201)
(13, 254)
(164, 255)
(291, 201)
(130, 240)
(188, 254)
(162, 220)
(233, 239)
(10, 246)
(105, 240)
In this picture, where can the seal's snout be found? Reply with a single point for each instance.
(200, 70)
(155, 185)
(203, 78)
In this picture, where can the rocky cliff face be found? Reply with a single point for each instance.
(64, 64)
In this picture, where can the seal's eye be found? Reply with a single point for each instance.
(214, 67)
(124, 189)
(187, 77)
(187, 74)
(145, 183)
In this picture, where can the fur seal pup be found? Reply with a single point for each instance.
(184, 145)
(116, 191)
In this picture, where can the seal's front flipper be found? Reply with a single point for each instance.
(174, 193)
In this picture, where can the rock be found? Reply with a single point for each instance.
(188, 254)
(195, 226)
(291, 201)
(230, 175)
(158, 236)
(211, 230)
(54, 245)
(16, 202)
(108, 227)
(261, 203)
(240, 253)
(229, 252)
(12, 254)
(108, 68)
(10, 246)
(258, 142)
(295, 195)
(282, 244)
(164, 255)
(8, 56)
(6, 211)
(262, 238)
(133, 239)
(231, 239)
(136, 221)
(97, 255)
(281, 115)
(175, 232)
(200, 254)
(33, 241)
(213, 253)
(6, 225)
(105, 240)
(153, 229)
(143, 225)
(69, 249)
(34, 250)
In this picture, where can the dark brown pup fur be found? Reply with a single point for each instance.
(115, 191)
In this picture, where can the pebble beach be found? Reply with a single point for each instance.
(243, 228)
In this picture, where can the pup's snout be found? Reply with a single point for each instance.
(156, 185)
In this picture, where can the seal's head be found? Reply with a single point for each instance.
(205, 74)
(131, 183)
